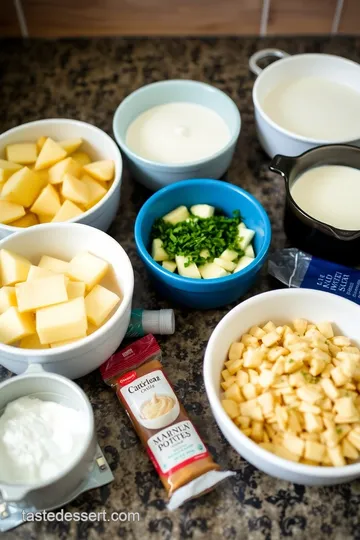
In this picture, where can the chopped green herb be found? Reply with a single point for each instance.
(291, 360)
(338, 430)
(190, 237)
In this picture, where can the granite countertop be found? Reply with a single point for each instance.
(86, 80)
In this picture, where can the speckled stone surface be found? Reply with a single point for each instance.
(86, 79)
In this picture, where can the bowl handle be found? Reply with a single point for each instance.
(282, 165)
(264, 53)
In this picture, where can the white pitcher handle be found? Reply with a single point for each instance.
(264, 53)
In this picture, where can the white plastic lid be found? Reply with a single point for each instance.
(160, 321)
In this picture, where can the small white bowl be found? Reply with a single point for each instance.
(96, 142)
(64, 241)
(281, 306)
(156, 175)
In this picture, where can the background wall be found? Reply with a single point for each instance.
(66, 18)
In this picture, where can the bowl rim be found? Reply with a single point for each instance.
(172, 166)
(49, 355)
(215, 404)
(278, 127)
(109, 141)
(203, 182)
(29, 488)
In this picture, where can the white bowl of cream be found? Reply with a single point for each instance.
(304, 101)
(175, 130)
(158, 411)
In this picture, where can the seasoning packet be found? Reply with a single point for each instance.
(175, 448)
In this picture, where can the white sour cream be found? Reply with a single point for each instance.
(331, 194)
(316, 108)
(177, 133)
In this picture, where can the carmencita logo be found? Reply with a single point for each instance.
(143, 384)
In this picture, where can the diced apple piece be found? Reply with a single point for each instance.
(229, 255)
(180, 213)
(26, 221)
(48, 202)
(22, 187)
(249, 251)
(50, 154)
(7, 168)
(99, 303)
(10, 212)
(68, 210)
(40, 143)
(75, 190)
(212, 271)
(82, 158)
(231, 407)
(7, 298)
(23, 153)
(91, 329)
(66, 342)
(326, 329)
(202, 210)
(75, 289)
(191, 271)
(243, 263)
(158, 253)
(42, 292)
(101, 170)
(36, 272)
(87, 268)
(169, 265)
(14, 268)
(53, 264)
(246, 236)
(15, 325)
(70, 145)
(65, 166)
(62, 321)
(227, 265)
(96, 190)
(43, 218)
(32, 342)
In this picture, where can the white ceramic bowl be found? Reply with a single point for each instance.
(273, 138)
(96, 142)
(156, 175)
(64, 240)
(281, 306)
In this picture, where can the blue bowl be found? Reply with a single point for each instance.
(203, 293)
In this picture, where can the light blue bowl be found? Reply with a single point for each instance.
(156, 175)
(203, 293)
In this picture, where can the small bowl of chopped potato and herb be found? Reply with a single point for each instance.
(58, 170)
(203, 241)
(282, 375)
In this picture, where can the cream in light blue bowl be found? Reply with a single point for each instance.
(157, 173)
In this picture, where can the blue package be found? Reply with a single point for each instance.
(295, 268)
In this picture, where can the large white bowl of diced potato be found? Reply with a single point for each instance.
(282, 375)
(58, 170)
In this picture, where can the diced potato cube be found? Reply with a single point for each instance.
(300, 326)
(191, 271)
(253, 358)
(271, 338)
(62, 321)
(206, 271)
(70, 145)
(266, 402)
(65, 166)
(253, 376)
(293, 444)
(282, 417)
(7, 168)
(99, 304)
(333, 349)
(68, 210)
(10, 212)
(341, 341)
(32, 342)
(308, 408)
(43, 218)
(14, 268)
(325, 404)
(101, 170)
(257, 431)
(249, 341)
(236, 350)
(48, 202)
(7, 298)
(339, 376)
(242, 378)
(292, 364)
(88, 268)
(22, 188)
(321, 355)
(66, 342)
(15, 325)
(23, 153)
(228, 382)
(50, 153)
(243, 421)
(251, 409)
(294, 424)
(354, 438)
(158, 252)
(231, 407)
(234, 366)
(37, 273)
(249, 391)
(53, 264)
(316, 366)
(309, 394)
(282, 452)
(314, 451)
(326, 329)
(169, 265)
(266, 378)
(349, 362)
(29, 220)
(96, 191)
(330, 389)
(297, 379)
(313, 423)
(75, 190)
(42, 292)
(225, 374)
(349, 450)
(228, 255)
(226, 265)
(81, 157)
(336, 456)
(279, 366)
(276, 352)
(234, 393)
